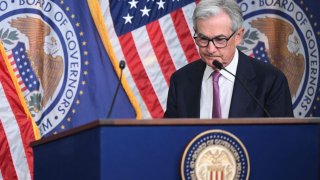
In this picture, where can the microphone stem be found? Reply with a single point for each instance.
(114, 97)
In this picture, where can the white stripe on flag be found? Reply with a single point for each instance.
(13, 135)
(172, 42)
(150, 63)
(188, 12)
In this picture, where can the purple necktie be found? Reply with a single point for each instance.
(216, 109)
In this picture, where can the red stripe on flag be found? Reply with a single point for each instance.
(6, 163)
(222, 175)
(140, 76)
(23, 89)
(162, 53)
(12, 62)
(15, 69)
(184, 35)
(10, 56)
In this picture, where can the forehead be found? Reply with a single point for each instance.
(214, 25)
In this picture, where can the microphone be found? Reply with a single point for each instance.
(219, 65)
(122, 65)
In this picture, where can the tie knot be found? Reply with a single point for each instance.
(215, 76)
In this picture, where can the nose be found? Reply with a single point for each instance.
(211, 47)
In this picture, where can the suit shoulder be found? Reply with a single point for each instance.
(250, 66)
(266, 66)
(262, 67)
(192, 67)
(266, 69)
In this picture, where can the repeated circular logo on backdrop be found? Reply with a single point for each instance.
(215, 154)
(280, 33)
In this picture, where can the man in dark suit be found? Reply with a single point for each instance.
(218, 30)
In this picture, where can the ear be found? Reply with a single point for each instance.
(239, 36)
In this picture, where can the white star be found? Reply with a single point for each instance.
(133, 3)
(145, 11)
(161, 4)
(128, 19)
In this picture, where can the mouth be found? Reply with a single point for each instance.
(210, 58)
(214, 57)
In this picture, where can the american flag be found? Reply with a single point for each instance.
(21, 66)
(154, 37)
(17, 129)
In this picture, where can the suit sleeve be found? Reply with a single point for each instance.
(171, 111)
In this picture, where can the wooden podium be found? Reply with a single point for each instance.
(153, 149)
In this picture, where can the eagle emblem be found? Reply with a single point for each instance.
(47, 67)
(218, 161)
(283, 52)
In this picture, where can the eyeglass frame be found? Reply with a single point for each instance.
(212, 40)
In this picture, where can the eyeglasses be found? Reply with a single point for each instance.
(218, 42)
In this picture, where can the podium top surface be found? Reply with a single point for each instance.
(178, 122)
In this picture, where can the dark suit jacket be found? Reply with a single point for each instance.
(267, 83)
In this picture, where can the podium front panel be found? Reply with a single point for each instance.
(121, 152)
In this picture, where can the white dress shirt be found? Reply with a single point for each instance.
(226, 83)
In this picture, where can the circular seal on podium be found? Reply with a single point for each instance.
(215, 155)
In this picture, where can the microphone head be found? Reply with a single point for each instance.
(217, 64)
(122, 64)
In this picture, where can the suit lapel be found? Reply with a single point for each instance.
(240, 98)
